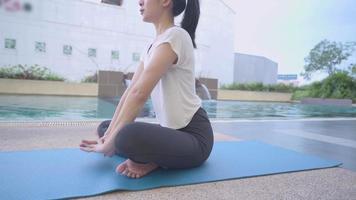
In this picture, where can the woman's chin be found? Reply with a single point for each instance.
(145, 20)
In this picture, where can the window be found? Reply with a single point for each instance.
(67, 50)
(115, 55)
(10, 43)
(136, 57)
(40, 47)
(92, 52)
(113, 2)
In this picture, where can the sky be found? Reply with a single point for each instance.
(286, 30)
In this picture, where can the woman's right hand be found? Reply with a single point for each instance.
(103, 145)
(92, 142)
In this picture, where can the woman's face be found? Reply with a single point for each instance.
(151, 10)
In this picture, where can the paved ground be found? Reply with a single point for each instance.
(36, 136)
(332, 138)
(315, 137)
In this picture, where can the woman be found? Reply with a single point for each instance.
(184, 136)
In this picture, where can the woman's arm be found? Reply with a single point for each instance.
(123, 98)
(162, 58)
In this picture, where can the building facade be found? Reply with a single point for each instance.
(78, 37)
(254, 69)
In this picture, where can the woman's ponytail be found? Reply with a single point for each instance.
(191, 15)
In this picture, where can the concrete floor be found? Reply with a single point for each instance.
(333, 139)
(328, 139)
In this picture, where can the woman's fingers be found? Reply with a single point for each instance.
(87, 149)
(112, 153)
(88, 145)
(99, 146)
(90, 141)
(84, 144)
(107, 154)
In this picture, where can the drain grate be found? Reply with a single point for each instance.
(49, 124)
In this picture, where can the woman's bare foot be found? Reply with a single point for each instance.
(135, 170)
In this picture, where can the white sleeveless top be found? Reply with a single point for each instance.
(173, 98)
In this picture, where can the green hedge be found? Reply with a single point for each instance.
(340, 85)
(337, 86)
(260, 87)
(34, 72)
(91, 78)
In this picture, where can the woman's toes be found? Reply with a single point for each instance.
(121, 167)
(131, 174)
(135, 170)
(126, 172)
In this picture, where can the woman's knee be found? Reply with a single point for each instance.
(130, 136)
(103, 126)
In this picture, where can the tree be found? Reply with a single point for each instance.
(352, 70)
(326, 56)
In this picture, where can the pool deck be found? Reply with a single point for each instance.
(327, 138)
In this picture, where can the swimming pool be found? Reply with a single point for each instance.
(38, 108)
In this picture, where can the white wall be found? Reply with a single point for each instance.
(87, 24)
(215, 38)
(250, 69)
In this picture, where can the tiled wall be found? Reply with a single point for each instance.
(212, 85)
(111, 84)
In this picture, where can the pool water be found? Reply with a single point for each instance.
(35, 107)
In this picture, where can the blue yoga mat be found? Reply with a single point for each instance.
(65, 173)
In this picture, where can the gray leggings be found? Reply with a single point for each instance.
(169, 148)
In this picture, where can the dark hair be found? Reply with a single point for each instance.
(191, 15)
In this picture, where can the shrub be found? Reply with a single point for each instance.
(339, 85)
(280, 87)
(34, 72)
(91, 78)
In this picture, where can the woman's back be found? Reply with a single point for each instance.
(174, 98)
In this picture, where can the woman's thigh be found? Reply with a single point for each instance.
(169, 148)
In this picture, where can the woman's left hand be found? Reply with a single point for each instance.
(102, 145)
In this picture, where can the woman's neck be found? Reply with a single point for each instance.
(163, 24)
